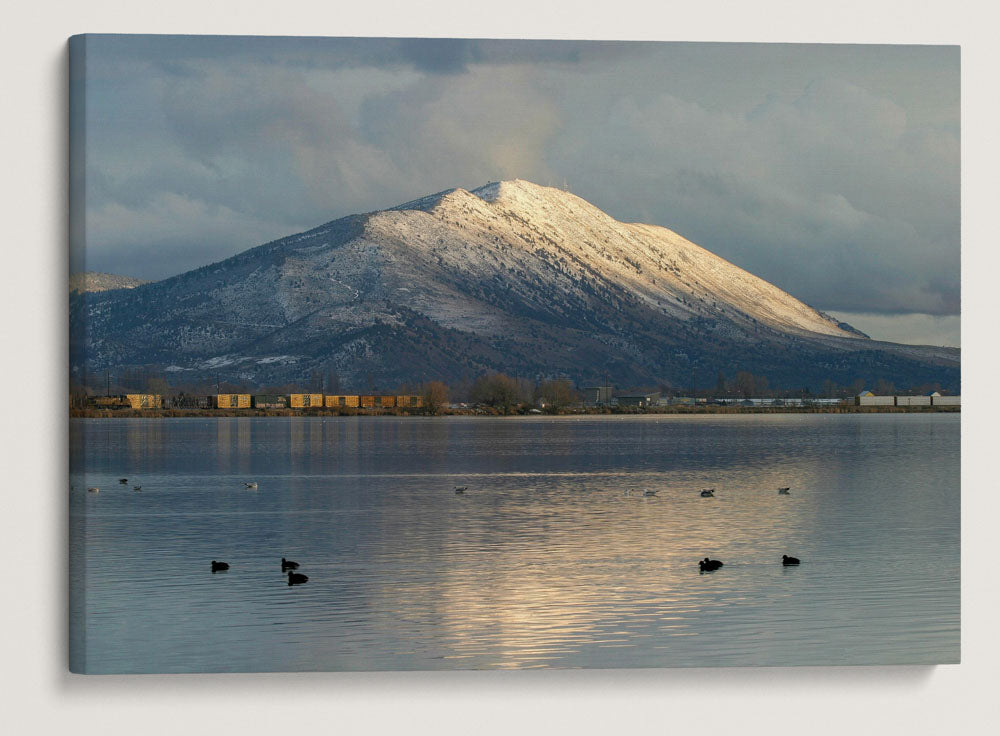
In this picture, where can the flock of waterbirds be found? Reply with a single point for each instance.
(287, 566)
(296, 578)
(706, 565)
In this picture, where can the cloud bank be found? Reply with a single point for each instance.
(832, 171)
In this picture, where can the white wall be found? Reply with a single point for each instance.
(41, 698)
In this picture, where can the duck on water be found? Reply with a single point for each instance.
(708, 565)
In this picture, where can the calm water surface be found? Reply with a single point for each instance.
(543, 563)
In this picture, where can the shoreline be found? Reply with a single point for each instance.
(284, 413)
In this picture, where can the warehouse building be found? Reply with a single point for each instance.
(639, 400)
(597, 396)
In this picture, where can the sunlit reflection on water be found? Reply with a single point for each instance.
(543, 562)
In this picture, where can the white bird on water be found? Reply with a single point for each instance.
(93, 489)
(252, 486)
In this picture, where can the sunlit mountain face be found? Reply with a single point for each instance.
(510, 277)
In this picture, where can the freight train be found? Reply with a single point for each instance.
(265, 401)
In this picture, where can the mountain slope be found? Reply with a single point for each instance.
(97, 281)
(511, 276)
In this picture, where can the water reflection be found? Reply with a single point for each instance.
(544, 562)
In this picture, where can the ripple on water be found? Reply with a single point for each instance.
(543, 562)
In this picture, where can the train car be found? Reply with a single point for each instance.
(334, 402)
(107, 402)
(144, 401)
(367, 402)
(946, 400)
(305, 401)
(913, 401)
(409, 402)
(268, 401)
(872, 400)
(386, 402)
(231, 401)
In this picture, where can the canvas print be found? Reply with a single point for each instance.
(438, 354)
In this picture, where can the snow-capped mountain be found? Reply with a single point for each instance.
(511, 276)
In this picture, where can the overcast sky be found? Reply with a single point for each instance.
(831, 171)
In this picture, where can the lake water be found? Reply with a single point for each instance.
(544, 562)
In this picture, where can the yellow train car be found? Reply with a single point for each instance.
(305, 401)
(145, 401)
(334, 402)
(367, 402)
(107, 402)
(231, 401)
(409, 402)
(386, 402)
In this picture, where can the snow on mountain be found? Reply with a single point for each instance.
(511, 276)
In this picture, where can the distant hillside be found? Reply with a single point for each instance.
(510, 277)
(95, 281)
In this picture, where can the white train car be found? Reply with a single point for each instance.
(872, 400)
(946, 400)
(913, 401)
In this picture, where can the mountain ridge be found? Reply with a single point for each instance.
(509, 276)
(99, 281)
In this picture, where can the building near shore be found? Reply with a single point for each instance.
(639, 400)
(597, 396)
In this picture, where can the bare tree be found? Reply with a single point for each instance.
(435, 396)
(497, 390)
(558, 394)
